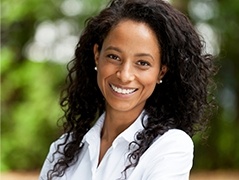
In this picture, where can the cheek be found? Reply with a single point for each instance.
(150, 78)
(100, 78)
(103, 73)
(149, 83)
(150, 87)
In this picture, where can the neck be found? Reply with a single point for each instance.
(116, 122)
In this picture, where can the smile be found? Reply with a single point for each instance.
(122, 90)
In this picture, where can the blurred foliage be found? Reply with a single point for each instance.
(222, 148)
(29, 111)
(30, 89)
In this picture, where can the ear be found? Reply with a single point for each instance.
(162, 72)
(96, 53)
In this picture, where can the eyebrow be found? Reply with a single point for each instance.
(113, 48)
(144, 54)
(137, 55)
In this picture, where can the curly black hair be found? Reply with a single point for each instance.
(181, 101)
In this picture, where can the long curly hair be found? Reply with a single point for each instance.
(182, 101)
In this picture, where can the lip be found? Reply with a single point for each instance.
(120, 90)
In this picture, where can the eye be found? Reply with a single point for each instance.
(143, 63)
(114, 57)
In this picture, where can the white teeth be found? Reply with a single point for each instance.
(122, 91)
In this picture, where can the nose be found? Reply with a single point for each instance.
(125, 73)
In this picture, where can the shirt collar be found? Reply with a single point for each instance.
(94, 133)
(128, 134)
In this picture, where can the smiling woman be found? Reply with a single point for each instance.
(128, 68)
(146, 100)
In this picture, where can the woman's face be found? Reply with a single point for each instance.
(128, 66)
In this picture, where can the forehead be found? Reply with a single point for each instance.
(135, 33)
(129, 24)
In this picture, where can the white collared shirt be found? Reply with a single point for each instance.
(170, 157)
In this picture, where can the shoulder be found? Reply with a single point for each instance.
(174, 144)
(175, 133)
(170, 157)
(52, 158)
(176, 138)
(60, 142)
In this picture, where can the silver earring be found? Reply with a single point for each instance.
(96, 68)
(160, 81)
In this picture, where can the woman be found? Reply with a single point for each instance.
(137, 92)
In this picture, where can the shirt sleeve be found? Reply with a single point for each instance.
(171, 157)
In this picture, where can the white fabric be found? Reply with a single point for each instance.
(168, 158)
